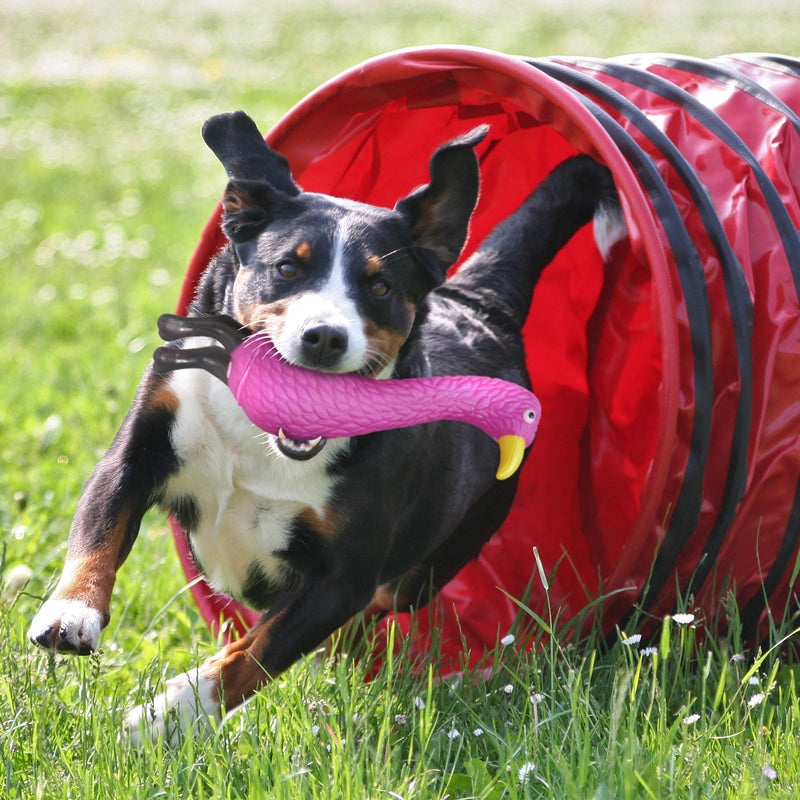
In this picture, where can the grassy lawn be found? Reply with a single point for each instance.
(105, 186)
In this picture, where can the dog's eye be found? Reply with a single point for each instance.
(379, 288)
(286, 269)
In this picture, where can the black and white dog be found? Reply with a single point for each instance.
(317, 533)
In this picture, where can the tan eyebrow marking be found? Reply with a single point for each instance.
(374, 265)
(303, 251)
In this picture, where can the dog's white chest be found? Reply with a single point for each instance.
(247, 494)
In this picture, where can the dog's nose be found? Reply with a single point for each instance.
(324, 345)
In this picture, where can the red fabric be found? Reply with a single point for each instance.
(609, 349)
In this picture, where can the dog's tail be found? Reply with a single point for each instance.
(513, 256)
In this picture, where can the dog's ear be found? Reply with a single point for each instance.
(439, 212)
(236, 141)
(260, 184)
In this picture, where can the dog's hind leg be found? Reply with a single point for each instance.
(416, 587)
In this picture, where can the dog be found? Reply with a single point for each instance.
(316, 534)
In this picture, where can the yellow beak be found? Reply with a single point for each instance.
(512, 449)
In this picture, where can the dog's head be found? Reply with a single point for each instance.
(336, 283)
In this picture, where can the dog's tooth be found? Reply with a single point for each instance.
(314, 442)
(282, 435)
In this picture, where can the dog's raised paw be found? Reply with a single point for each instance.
(187, 707)
(68, 626)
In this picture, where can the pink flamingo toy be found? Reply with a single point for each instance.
(309, 406)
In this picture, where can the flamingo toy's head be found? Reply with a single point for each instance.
(509, 414)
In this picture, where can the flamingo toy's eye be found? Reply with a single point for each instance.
(530, 416)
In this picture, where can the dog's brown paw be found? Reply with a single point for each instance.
(68, 626)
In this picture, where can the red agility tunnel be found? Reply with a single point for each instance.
(667, 463)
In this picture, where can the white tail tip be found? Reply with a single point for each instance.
(609, 228)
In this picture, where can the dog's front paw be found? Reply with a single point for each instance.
(188, 706)
(68, 626)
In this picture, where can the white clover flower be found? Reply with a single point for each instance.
(754, 680)
(526, 769)
(691, 719)
(317, 706)
(453, 734)
(756, 700)
(536, 698)
(419, 703)
(400, 719)
(507, 639)
(633, 639)
(737, 658)
(649, 651)
(477, 732)
(683, 619)
(770, 773)
(508, 688)
(315, 730)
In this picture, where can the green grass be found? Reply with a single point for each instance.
(671, 721)
(104, 188)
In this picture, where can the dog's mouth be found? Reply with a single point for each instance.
(299, 449)
(306, 449)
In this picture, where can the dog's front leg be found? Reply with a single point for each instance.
(122, 487)
(297, 624)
